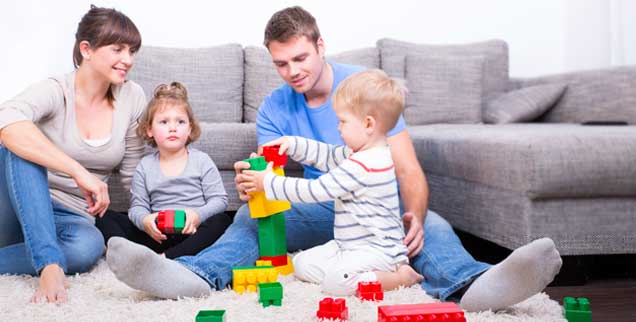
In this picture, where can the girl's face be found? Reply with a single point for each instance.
(170, 128)
(111, 61)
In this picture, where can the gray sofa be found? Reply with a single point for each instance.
(545, 174)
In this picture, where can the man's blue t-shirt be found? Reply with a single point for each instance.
(285, 112)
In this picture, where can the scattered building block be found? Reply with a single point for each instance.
(270, 294)
(329, 308)
(210, 316)
(429, 312)
(577, 310)
(370, 291)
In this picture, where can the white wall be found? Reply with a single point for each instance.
(37, 36)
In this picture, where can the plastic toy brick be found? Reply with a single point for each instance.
(270, 294)
(275, 261)
(329, 308)
(262, 262)
(210, 316)
(246, 278)
(171, 221)
(270, 153)
(577, 310)
(261, 207)
(430, 312)
(257, 163)
(286, 269)
(272, 240)
(370, 291)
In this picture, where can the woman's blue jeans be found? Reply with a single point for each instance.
(35, 231)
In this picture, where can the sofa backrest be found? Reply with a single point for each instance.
(596, 95)
(261, 77)
(213, 77)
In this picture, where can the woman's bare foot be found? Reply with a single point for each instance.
(52, 285)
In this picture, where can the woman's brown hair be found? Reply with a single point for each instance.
(164, 95)
(103, 27)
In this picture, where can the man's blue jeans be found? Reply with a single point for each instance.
(36, 232)
(444, 262)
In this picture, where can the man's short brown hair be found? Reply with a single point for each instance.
(289, 23)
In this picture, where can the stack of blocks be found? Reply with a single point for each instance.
(577, 310)
(171, 221)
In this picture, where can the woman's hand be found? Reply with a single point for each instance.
(150, 227)
(95, 192)
(192, 222)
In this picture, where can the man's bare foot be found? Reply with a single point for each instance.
(409, 276)
(52, 285)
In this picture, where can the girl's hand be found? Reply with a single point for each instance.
(283, 141)
(254, 179)
(192, 222)
(151, 228)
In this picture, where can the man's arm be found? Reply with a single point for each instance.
(413, 189)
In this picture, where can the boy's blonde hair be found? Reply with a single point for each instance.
(164, 96)
(372, 93)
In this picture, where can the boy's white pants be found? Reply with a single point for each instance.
(339, 271)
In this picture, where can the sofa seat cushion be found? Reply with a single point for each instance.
(539, 160)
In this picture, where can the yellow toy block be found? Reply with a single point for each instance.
(287, 269)
(260, 207)
(261, 262)
(246, 278)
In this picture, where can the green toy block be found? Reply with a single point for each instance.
(577, 310)
(179, 220)
(270, 294)
(257, 164)
(272, 236)
(210, 316)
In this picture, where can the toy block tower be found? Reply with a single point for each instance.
(272, 236)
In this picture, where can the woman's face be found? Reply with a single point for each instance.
(111, 61)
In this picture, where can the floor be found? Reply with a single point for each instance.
(608, 281)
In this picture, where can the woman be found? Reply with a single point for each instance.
(61, 140)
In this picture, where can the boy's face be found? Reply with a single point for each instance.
(298, 61)
(170, 128)
(352, 128)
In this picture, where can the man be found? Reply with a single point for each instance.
(303, 107)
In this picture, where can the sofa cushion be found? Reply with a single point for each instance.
(523, 105)
(443, 89)
(393, 59)
(261, 77)
(595, 95)
(540, 160)
(213, 77)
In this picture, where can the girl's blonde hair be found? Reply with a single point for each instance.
(372, 92)
(164, 96)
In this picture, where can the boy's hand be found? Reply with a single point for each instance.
(283, 141)
(151, 228)
(239, 179)
(254, 179)
(192, 222)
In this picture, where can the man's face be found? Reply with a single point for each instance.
(298, 61)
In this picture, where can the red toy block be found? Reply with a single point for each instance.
(271, 155)
(429, 312)
(328, 308)
(370, 291)
(276, 260)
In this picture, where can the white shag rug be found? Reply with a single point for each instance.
(99, 296)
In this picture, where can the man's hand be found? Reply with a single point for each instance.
(414, 239)
(239, 179)
(151, 228)
(192, 222)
